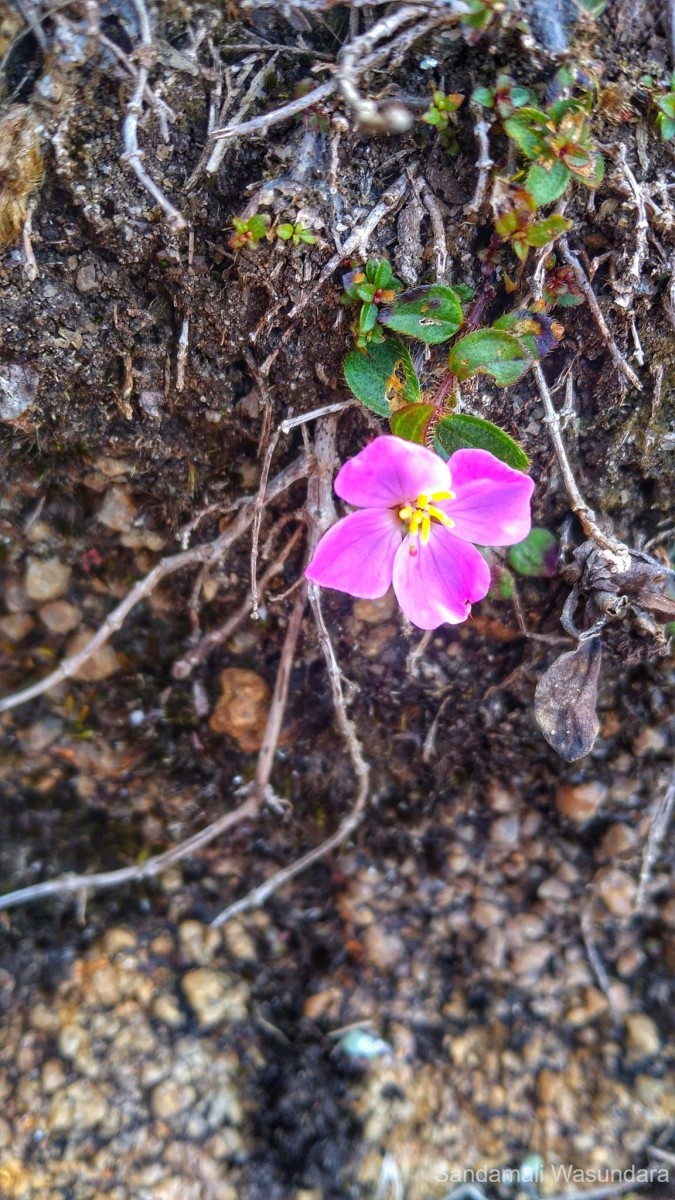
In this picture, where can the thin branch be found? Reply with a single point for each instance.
(209, 552)
(133, 155)
(280, 696)
(615, 552)
(581, 278)
(320, 514)
(218, 152)
(266, 120)
(484, 165)
(325, 411)
(394, 118)
(438, 228)
(182, 355)
(657, 834)
(71, 884)
(634, 274)
(183, 667)
(257, 521)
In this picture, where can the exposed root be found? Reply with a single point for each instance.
(80, 885)
(627, 287)
(438, 228)
(207, 553)
(484, 165)
(657, 834)
(320, 514)
(133, 155)
(582, 279)
(283, 113)
(615, 552)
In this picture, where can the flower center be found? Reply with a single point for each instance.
(420, 516)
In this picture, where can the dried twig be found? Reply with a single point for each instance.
(283, 113)
(74, 885)
(182, 355)
(163, 111)
(320, 513)
(394, 117)
(614, 551)
(209, 552)
(657, 833)
(438, 228)
(133, 155)
(634, 274)
(593, 953)
(218, 151)
(184, 666)
(481, 129)
(581, 278)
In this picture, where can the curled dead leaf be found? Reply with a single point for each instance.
(565, 700)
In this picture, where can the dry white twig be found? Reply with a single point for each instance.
(283, 113)
(133, 155)
(582, 279)
(615, 552)
(484, 165)
(210, 552)
(218, 150)
(657, 833)
(633, 277)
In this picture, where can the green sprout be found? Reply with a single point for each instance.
(517, 222)
(559, 144)
(370, 286)
(441, 114)
(249, 231)
(296, 233)
(505, 97)
(479, 16)
(664, 101)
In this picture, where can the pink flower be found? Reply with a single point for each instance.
(416, 521)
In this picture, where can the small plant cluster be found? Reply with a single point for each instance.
(663, 100)
(381, 374)
(250, 231)
(555, 141)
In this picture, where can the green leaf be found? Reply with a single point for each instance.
(537, 332)
(461, 431)
(666, 127)
(383, 275)
(524, 129)
(547, 185)
(432, 314)
(593, 173)
(541, 232)
(667, 104)
(285, 232)
(432, 117)
(380, 374)
(367, 317)
(258, 225)
(484, 96)
(490, 352)
(535, 556)
(412, 422)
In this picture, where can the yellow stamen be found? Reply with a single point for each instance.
(426, 529)
(415, 522)
(422, 500)
(442, 495)
(438, 515)
(405, 513)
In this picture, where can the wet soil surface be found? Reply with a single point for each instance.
(481, 928)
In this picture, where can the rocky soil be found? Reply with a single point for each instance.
(473, 979)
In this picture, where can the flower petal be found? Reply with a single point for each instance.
(390, 471)
(439, 583)
(492, 501)
(357, 555)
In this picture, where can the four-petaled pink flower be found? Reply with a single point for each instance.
(416, 521)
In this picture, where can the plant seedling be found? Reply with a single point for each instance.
(248, 232)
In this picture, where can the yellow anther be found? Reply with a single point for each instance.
(415, 522)
(440, 516)
(422, 500)
(442, 495)
(426, 529)
(405, 513)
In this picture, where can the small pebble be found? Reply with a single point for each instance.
(581, 801)
(60, 616)
(642, 1036)
(241, 711)
(118, 510)
(16, 626)
(46, 578)
(101, 665)
(215, 997)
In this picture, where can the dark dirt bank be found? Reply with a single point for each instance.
(484, 919)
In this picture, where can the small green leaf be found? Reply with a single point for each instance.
(367, 317)
(666, 127)
(381, 374)
(535, 556)
(412, 422)
(285, 232)
(484, 96)
(527, 129)
(547, 185)
(593, 173)
(383, 274)
(541, 232)
(306, 235)
(432, 314)
(667, 104)
(257, 225)
(490, 352)
(461, 431)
